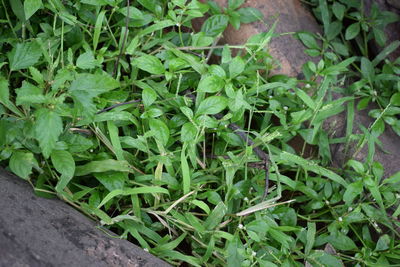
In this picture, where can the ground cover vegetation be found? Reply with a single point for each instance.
(165, 137)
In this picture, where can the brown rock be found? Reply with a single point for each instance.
(47, 232)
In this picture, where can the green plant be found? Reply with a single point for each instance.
(115, 107)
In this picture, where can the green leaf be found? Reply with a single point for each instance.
(306, 99)
(86, 61)
(160, 130)
(148, 96)
(310, 237)
(311, 166)
(234, 4)
(87, 86)
(97, 29)
(334, 29)
(308, 40)
(383, 243)
(210, 84)
(48, 128)
(31, 6)
(133, 191)
(5, 97)
(186, 179)
(342, 242)
(212, 105)
(112, 180)
(338, 10)
(395, 178)
(250, 14)
(29, 94)
(367, 69)
(150, 64)
(236, 67)
(102, 166)
(64, 163)
(215, 25)
(234, 257)
(188, 132)
(24, 55)
(352, 31)
(325, 16)
(352, 191)
(21, 163)
(216, 216)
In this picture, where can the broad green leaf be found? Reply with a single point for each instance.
(29, 94)
(112, 180)
(133, 191)
(352, 191)
(24, 55)
(215, 25)
(308, 40)
(334, 29)
(352, 31)
(236, 67)
(148, 96)
(87, 86)
(48, 128)
(160, 130)
(31, 6)
(149, 63)
(188, 132)
(86, 61)
(21, 163)
(367, 69)
(342, 242)
(395, 178)
(64, 163)
(383, 243)
(210, 84)
(212, 105)
(250, 14)
(102, 166)
(234, 257)
(216, 216)
(338, 10)
(234, 4)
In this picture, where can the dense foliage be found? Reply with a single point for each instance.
(123, 111)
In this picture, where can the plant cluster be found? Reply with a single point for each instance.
(122, 110)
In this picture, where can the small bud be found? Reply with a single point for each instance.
(240, 226)
(246, 199)
(350, 209)
(285, 108)
(253, 253)
(308, 86)
(340, 219)
(146, 249)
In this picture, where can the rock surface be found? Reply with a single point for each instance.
(36, 231)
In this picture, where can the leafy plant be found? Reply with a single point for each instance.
(116, 107)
